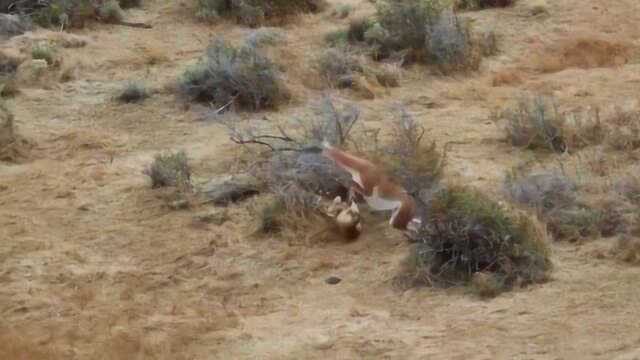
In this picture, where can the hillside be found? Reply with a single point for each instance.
(94, 264)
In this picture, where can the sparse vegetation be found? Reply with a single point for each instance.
(342, 11)
(559, 203)
(535, 123)
(410, 157)
(467, 233)
(227, 76)
(582, 53)
(63, 13)
(425, 31)
(255, 12)
(337, 66)
(110, 11)
(627, 249)
(127, 4)
(338, 38)
(133, 92)
(357, 28)
(8, 86)
(265, 36)
(482, 4)
(44, 52)
(170, 169)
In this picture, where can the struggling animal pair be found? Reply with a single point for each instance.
(380, 192)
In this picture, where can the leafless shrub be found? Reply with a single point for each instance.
(558, 202)
(544, 191)
(624, 134)
(411, 157)
(535, 123)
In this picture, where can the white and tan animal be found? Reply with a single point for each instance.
(347, 218)
(379, 191)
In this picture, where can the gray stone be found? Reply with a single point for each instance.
(12, 25)
(227, 189)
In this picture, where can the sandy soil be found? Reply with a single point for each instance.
(93, 265)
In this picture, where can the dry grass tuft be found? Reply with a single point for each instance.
(21, 345)
(508, 77)
(627, 249)
(584, 53)
(170, 169)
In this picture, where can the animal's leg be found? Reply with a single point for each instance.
(354, 191)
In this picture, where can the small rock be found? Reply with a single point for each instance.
(83, 207)
(216, 217)
(224, 190)
(332, 280)
(179, 204)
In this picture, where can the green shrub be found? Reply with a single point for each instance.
(482, 4)
(110, 12)
(133, 92)
(265, 36)
(465, 233)
(127, 4)
(556, 200)
(43, 52)
(255, 12)
(342, 11)
(337, 38)
(170, 169)
(337, 65)
(535, 123)
(421, 30)
(357, 29)
(242, 76)
(76, 13)
(448, 43)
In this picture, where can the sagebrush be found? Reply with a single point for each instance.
(242, 77)
(170, 169)
(255, 12)
(465, 233)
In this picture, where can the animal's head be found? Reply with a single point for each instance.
(348, 221)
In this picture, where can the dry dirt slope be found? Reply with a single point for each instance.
(93, 265)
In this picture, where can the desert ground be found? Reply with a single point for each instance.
(95, 265)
